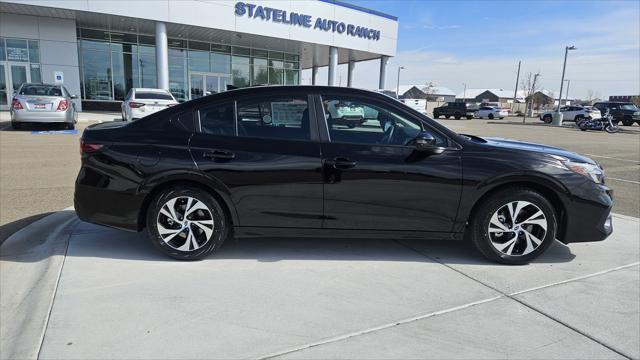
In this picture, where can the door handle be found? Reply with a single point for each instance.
(343, 163)
(219, 155)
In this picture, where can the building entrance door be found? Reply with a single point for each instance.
(202, 84)
(12, 75)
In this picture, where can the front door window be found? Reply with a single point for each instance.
(18, 76)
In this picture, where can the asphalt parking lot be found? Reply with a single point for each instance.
(75, 290)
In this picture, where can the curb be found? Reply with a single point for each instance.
(31, 261)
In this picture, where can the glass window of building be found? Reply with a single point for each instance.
(96, 70)
(178, 73)
(220, 63)
(199, 61)
(34, 51)
(36, 76)
(3, 55)
(17, 50)
(147, 63)
(276, 76)
(241, 51)
(125, 73)
(225, 49)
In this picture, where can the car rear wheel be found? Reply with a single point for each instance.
(187, 223)
(514, 226)
(627, 121)
(547, 119)
(490, 116)
(457, 116)
(16, 125)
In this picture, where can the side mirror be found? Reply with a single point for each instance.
(426, 142)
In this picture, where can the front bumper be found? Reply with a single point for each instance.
(588, 218)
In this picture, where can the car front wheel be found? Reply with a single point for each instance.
(547, 119)
(187, 223)
(514, 226)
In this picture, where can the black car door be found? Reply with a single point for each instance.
(373, 179)
(265, 153)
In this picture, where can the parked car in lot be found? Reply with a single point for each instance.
(348, 115)
(456, 110)
(624, 112)
(572, 113)
(491, 112)
(419, 105)
(220, 166)
(141, 102)
(43, 103)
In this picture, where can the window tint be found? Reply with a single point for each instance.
(279, 118)
(353, 120)
(218, 119)
(184, 121)
(153, 95)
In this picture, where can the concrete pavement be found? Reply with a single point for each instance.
(117, 297)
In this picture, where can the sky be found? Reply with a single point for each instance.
(480, 43)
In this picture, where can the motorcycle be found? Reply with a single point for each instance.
(605, 123)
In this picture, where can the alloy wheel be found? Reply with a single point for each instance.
(517, 228)
(185, 223)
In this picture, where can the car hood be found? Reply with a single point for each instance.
(539, 148)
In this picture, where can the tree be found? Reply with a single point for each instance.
(530, 85)
(592, 96)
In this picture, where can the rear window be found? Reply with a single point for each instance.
(629, 107)
(41, 90)
(153, 95)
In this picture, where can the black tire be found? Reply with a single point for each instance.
(479, 225)
(547, 119)
(627, 121)
(582, 125)
(469, 117)
(16, 125)
(70, 126)
(457, 116)
(221, 224)
(490, 116)
(436, 115)
(578, 118)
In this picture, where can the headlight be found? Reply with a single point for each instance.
(591, 171)
(636, 113)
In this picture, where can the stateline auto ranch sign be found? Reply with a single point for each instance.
(253, 11)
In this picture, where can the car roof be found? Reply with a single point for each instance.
(40, 84)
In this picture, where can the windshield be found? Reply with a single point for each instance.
(41, 90)
(629, 107)
(153, 95)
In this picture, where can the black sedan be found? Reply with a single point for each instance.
(264, 162)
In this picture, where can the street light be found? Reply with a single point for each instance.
(564, 67)
(398, 83)
(464, 93)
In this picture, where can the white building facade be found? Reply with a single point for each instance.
(101, 49)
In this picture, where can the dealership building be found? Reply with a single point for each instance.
(100, 49)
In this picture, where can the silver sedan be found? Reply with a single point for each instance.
(43, 103)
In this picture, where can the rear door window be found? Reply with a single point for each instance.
(218, 119)
(274, 118)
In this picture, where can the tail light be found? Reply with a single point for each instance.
(87, 148)
(63, 105)
(135, 105)
(16, 105)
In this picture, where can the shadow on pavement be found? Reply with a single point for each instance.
(9, 229)
(87, 240)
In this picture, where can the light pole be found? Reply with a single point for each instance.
(398, 82)
(464, 93)
(557, 120)
(566, 96)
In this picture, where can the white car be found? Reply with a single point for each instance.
(349, 115)
(420, 105)
(572, 113)
(491, 112)
(141, 102)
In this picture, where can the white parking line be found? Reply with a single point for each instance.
(623, 180)
(613, 158)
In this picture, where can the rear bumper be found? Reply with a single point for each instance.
(42, 116)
